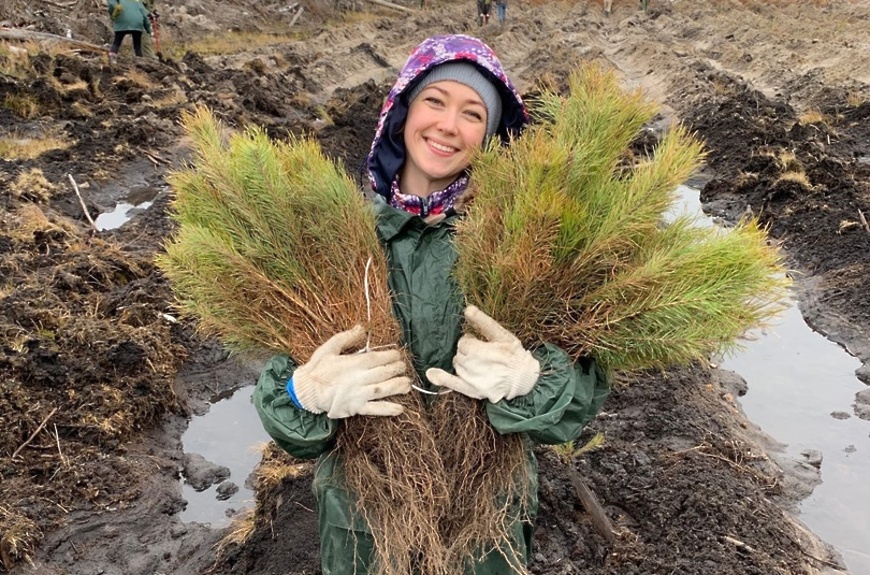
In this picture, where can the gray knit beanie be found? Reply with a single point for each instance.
(468, 74)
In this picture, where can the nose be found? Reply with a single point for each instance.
(449, 122)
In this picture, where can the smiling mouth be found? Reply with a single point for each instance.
(442, 147)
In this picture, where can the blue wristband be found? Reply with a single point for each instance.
(292, 393)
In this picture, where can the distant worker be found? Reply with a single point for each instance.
(501, 9)
(483, 8)
(149, 40)
(128, 17)
(608, 7)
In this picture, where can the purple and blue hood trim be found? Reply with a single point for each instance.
(388, 149)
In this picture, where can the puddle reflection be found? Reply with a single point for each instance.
(230, 435)
(797, 378)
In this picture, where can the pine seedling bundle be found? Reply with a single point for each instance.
(277, 250)
(566, 243)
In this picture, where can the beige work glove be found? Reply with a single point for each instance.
(497, 369)
(342, 385)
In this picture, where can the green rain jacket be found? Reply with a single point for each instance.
(132, 17)
(429, 308)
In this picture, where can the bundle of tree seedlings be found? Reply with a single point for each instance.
(567, 240)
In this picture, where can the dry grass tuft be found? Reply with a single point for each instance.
(23, 105)
(788, 162)
(16, 147)
(276, 467)
(15, 60)
(796, 177)
(240, 529)
(812, 116)
(169, 98)
(81, 110)
(855, 99)
(18, 537)
(29, 219)
(140, 79)
(33, 186)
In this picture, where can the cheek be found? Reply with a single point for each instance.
(473, 135)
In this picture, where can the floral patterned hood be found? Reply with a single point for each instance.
(388, 149)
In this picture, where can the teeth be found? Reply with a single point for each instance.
(441, 148)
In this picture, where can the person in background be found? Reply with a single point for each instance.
(128, 17)
(148, 39)
(501, 10)
(483, 8)
(450, 98)
(608, 7)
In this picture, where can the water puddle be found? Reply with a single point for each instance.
(800, 386)
(137, 201)
(801, 390)
(230, 435)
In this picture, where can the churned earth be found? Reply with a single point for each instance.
(98, 377)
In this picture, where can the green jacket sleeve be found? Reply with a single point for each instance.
(298, 432)
(566, 397)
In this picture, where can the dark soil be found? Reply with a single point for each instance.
(98, 377)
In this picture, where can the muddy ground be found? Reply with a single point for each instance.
(98, 378)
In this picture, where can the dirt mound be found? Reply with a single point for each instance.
(87, 360)
(804, 175)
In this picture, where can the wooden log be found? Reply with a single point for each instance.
(391, 5)
(19, 34)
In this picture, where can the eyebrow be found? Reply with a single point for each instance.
(476, 100)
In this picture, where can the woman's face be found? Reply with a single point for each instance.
(446, 122)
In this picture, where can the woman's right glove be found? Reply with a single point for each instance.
(344, 385)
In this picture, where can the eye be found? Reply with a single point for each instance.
(474, 115)
(434, 100)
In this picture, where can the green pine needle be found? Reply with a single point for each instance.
(566, 243)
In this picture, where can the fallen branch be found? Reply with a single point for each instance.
(57, 439)
(152, 159)
(82, 203)
(391, 5)
(288, 8)
(32, 435)
(738, 543)
(296, 16)
(59, 5)
(864, 221)
(592, 506)
(153, 156)
(18, 34)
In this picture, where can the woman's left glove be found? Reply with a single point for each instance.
(497, 369)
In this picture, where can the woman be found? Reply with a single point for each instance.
(450, 98)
